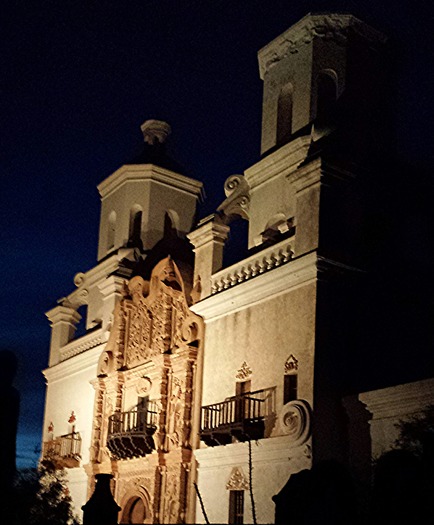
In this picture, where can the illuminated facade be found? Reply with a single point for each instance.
(188, 371)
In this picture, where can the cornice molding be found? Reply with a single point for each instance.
(296, 273)
(74, 365)
(318, 171)
(400, 400)
(148, 172)
(210, 231)
(332, 26)
(267, 450)
(281, 162)
(63, 314)
(84, 343)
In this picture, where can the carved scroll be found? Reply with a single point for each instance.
(237, 203)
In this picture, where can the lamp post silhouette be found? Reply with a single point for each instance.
(101, 509)
(9, 403)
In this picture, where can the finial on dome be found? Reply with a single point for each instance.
(155, 131)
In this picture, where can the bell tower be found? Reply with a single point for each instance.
(128, 219)
(309, 68)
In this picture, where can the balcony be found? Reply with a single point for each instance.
(130, 433)
(241, 417)
(64, 450)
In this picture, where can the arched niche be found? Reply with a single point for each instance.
(135, 226)
(111, 230)
(327, 94)
(171, 223)
(284, 114)
(136, 509)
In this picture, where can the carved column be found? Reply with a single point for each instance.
(63, 321)
(208, 241)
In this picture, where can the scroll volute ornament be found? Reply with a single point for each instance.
(237, 200)
(105, 364)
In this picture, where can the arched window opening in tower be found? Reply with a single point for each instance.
(284, 114)
(135, 230)
(111, 230)
(326, 98)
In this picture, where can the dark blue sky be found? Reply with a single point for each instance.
(77, 80)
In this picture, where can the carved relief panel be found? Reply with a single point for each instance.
(150, 359)
(153, 318)
(137, 334)
(173, 493)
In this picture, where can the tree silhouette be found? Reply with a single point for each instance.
(44, 497)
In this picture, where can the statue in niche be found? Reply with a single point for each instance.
(174, 411)
(171, 499)
(168, 275)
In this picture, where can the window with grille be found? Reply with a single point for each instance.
(236, 506)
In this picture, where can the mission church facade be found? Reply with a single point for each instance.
(190, 373)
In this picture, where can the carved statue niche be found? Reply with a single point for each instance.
(172, 506)
(174, 323)
(174, 416)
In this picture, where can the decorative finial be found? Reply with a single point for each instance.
(155, 131)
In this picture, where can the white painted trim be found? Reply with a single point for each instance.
(142, 172)
(74, 365)
(283, 162)
(292, 275)
(86, 342)
(304, 32)
(399, 400)
(269, 450)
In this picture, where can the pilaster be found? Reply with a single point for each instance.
(307, 184)
(111, 291)
(208, 241)
(63, 321)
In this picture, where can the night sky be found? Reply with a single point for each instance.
(77, 80)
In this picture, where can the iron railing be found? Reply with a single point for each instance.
(66, 446)
(250, 407)
(135, 421)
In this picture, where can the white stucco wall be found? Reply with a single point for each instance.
(69, 389)
(274, 460)
(389, 406)
(263, 335)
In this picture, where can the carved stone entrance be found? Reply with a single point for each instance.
(135, 511)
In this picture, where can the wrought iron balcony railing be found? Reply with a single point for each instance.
(64, 450)
(130, 433)
(243, 417)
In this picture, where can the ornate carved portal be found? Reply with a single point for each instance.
(145, 392)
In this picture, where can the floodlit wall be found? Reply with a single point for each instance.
(258, 342)
(69, 390)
